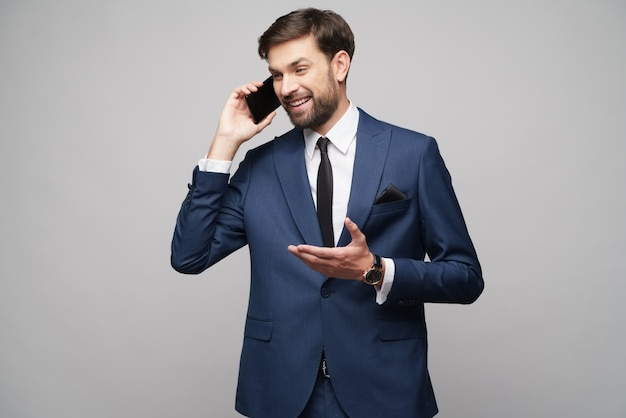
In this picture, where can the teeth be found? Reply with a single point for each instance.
(299, 102)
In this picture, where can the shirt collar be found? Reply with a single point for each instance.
(341, 135)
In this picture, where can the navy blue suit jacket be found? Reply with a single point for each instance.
(377, 354)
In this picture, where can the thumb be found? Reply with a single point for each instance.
(354, 230)
(266, 122)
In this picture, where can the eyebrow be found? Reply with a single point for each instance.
(293, 64)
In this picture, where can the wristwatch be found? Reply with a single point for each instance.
(374, 274)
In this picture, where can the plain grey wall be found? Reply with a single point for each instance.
(105, 107)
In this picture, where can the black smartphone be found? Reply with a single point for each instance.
(264, 101)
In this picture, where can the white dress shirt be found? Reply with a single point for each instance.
(341, 152)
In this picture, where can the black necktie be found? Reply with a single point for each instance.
(325, 194)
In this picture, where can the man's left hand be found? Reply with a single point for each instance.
(347, 262)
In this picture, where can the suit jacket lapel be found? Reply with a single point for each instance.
(291, 169)
(371, 153)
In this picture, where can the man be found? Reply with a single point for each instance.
(335, 328)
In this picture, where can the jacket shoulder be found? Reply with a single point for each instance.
(267, 148)
(375, 127)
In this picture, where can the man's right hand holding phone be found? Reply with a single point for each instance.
(236, 124)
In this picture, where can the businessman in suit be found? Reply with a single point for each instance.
(335, 324)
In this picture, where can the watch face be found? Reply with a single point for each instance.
(373, 276)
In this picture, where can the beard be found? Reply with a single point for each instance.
(324, 106)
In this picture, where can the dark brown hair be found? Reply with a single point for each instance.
(330, 31)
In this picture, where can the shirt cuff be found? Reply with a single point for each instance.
(214, 166)
(383, 292)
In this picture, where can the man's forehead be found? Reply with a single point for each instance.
(292, 51)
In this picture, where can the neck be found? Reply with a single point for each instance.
(342, 108)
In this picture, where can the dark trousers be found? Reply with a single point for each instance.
(323, 402)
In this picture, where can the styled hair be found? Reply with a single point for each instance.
(331, 32)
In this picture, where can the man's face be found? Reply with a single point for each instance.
(304, 82)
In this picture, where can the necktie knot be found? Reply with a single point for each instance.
(322, 143)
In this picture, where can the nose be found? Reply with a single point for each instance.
(288, 86)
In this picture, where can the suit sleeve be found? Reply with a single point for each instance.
(210, 222)
(453, 274)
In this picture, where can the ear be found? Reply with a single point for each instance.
(341, 65)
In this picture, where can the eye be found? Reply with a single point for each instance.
(277, 76)
(301, 70)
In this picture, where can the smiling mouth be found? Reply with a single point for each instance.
(299, 102)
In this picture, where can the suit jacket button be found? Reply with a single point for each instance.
(325, 292)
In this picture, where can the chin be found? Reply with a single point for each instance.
(299, 120)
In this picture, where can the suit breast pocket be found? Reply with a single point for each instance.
(391, 207)
(391, 219)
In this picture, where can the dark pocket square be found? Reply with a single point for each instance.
(390, 194)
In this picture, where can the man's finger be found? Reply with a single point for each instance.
(354, 230)
(311, 250)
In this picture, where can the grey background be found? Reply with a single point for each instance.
(105, 107)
